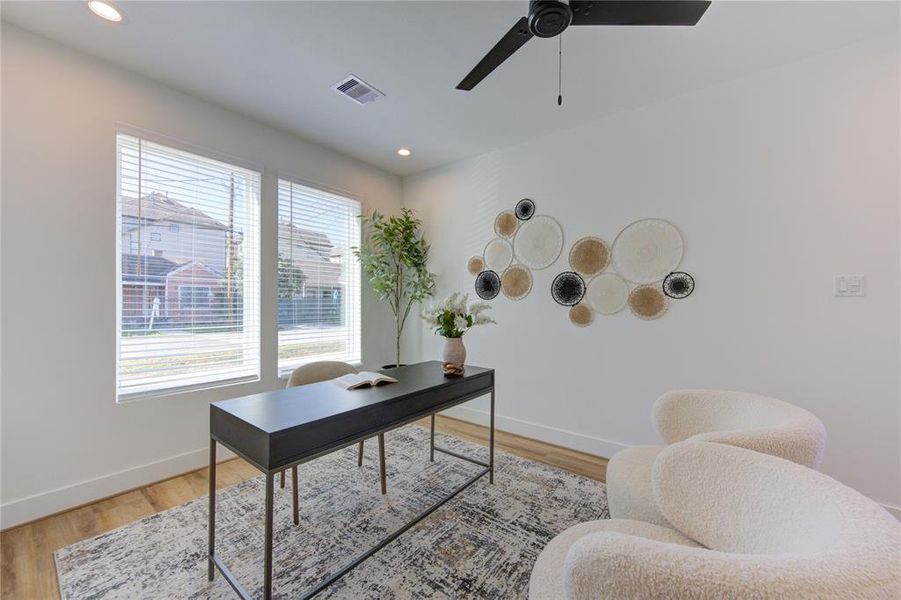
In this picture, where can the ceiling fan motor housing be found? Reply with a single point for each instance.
(548, 18)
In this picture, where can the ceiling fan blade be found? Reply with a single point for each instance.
(637, 12)
(518, 35)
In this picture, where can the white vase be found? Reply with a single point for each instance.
(454, 351)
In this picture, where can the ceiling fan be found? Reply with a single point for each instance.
(548, 18)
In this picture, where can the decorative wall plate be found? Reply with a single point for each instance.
(580, 315)
(488, 285)
(678, 285)
(498, 254)
(647, 251)
(516, 282)
(589, 256)
(568, 288)
(524, 210)
(538, 242)
(648, 302)
(505, 224)
(475, 265)
(607, 293)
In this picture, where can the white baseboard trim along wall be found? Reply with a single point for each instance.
(552, 435)
(47, 503)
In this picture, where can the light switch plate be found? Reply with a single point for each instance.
(849, 285)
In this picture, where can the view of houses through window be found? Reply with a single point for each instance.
(188, 269)
(318, 277)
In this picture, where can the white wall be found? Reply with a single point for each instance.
(65, 441)
(777, 182)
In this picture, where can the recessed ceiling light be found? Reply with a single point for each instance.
(105, 10)
(404, 151)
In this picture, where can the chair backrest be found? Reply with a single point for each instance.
(736, 500)
(740, 419)
(319, 371)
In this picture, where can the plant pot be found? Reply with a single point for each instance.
(454, 355)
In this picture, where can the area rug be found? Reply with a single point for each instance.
(481, 544)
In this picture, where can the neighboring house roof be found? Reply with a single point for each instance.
(158, 207)
(153, 269)
(315, 240)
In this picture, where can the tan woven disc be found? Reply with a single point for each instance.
(580, 315)
(506, 223)
(589, 256)
(648, 302)
(516, 282)
(475, 265)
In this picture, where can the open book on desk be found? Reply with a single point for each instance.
(352, 381)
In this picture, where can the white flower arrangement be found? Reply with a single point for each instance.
(452, 318)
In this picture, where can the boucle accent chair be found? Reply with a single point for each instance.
(740, 419)
(746, 525)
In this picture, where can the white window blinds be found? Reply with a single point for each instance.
(318, 276)
(188, 270)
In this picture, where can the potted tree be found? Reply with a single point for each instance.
(394, 257)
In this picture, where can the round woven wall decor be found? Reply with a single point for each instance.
(516, 282)
(678, 285)
(589, 256)
(498, 254)
(607, 293)
(647, 251)
(648, 302)
(524, 210)
(488, 285)
(568, 288)
(505, 224)
(538, 242)
(580, 315)
(475, 265)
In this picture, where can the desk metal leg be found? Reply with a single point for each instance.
(432, 441)
(491, 442)
(211, 567)
(267, 556)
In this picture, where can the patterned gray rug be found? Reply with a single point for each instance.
(481, 544)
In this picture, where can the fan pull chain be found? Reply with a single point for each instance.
(560, 72)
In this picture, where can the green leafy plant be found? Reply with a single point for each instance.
(455, 316)
(395, 257)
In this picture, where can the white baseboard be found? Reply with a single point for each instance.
(47, 503)
(895, 511)
(543, 433)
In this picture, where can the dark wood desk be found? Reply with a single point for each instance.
(277, 430)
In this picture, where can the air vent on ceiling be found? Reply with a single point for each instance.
(357, 90)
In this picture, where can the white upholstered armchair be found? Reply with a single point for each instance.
(744, 525)
(736, 418)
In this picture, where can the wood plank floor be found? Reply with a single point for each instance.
(26, 552)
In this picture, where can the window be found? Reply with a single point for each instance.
(173, 227)
(318, 276)
(189, 319)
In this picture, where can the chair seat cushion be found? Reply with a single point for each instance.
(630, 494)
(546, 582)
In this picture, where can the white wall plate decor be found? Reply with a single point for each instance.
(498, 255)
(647, 251)
(538, 242)
(607, 293)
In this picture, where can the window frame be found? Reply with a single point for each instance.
(182, 146)
(284, 372)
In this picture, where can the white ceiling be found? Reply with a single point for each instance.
(276, 61)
